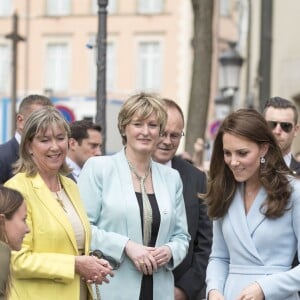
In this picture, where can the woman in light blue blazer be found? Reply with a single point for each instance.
(136, 207)
(255, 203)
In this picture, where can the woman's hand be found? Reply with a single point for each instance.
(93, 269)
(252, 292)
(162, 255)
(142, 257)
(215, 295)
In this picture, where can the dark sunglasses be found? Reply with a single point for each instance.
(285, 126)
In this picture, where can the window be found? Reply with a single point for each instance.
(58, 7)
(150, 6)
(111, 6)
(4, 68)
(149, 65)
(57, 67)
(110, 67)
(5, 8)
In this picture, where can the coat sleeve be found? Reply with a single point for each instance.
(180, 237)
(218, 265)
(277, 286)
(91, 187)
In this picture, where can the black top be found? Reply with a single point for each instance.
(147, 282)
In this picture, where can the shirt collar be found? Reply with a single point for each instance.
(75, 168)
(18, 137)
(288, 158)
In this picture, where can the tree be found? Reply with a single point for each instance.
(201, 73)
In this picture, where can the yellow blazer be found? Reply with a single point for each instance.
(45, 266)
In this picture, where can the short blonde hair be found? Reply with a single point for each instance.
(142, 104)
(39, 121)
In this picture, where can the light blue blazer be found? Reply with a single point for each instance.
(107, 191)
(249, 248)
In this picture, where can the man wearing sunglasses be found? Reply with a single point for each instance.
(282, 117)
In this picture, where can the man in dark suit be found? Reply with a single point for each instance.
(282, 117)
(190, 274)
(9, 151)
(85, 141)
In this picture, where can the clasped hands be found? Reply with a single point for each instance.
(251, 292)
(92, 269)
(148, 259)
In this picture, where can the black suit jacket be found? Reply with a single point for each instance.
(190, 274)
(9, 154)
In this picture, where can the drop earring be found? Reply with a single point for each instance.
(262, 160)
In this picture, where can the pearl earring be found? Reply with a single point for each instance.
(262, 160)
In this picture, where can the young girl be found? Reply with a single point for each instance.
(13, 228)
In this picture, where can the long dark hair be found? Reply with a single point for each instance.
(249, 124)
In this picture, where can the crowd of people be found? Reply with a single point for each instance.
(146, 223)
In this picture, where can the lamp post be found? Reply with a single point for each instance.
(101, 68)
(16, 38)
(230, 65)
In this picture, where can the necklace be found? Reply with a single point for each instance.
(59, 194)
(147, 209)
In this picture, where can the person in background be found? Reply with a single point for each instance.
(282, 117)
(190, 274)
(85, 141)
(9, 151)
(253, 199)
(13, 228)
(54, 261)
(136, 207)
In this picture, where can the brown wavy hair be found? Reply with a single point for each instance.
(249, 124)
(10, 201)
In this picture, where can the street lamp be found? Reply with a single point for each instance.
(16, 38)
(101, 68)
(230, 66)
(223, 106)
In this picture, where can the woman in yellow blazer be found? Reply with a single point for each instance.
(53, 262)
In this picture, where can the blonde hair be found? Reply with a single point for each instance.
(142, 104)
(39, 122)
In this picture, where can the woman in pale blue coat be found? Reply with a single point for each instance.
(117, 201)
(255, 204)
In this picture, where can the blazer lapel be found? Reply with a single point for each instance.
(74, 197)
(45, 196)
(238, 219)
(133, 219)
(255, 217)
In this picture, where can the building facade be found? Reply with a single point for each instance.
(148, 48)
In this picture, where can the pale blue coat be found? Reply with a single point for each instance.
(249, 248)
(107, 191)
